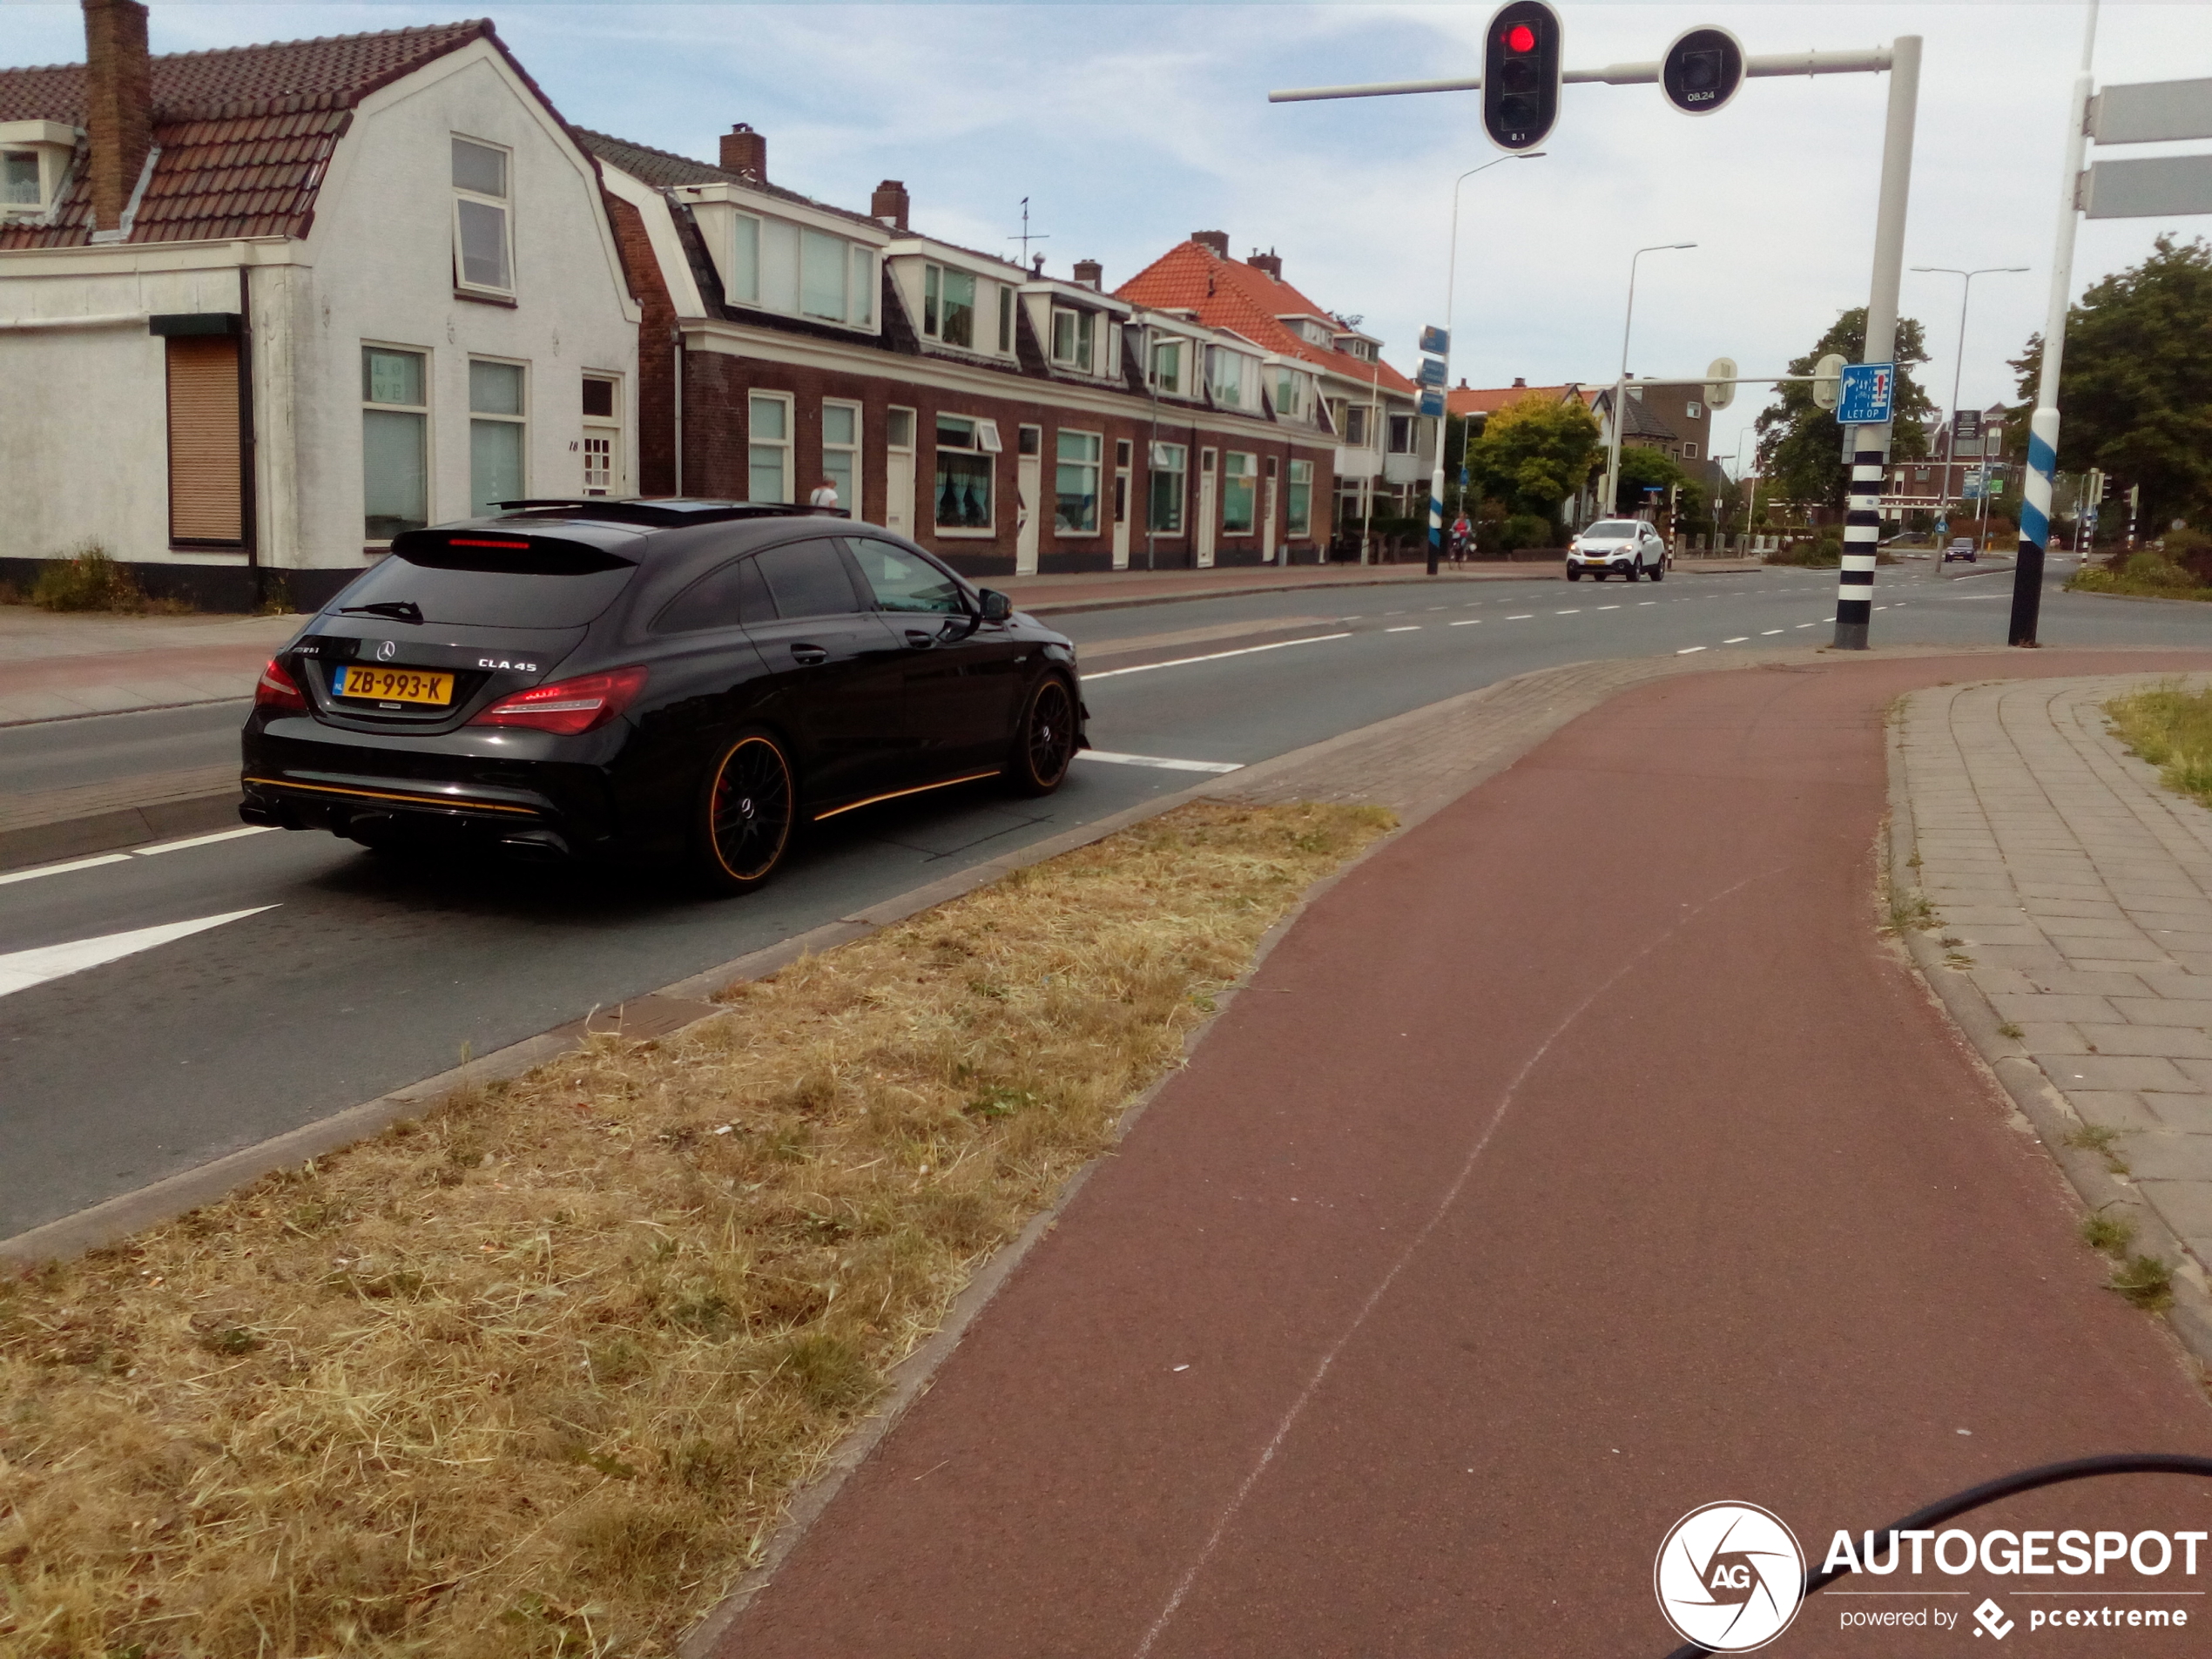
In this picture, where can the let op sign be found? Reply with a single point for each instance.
(1868, 392)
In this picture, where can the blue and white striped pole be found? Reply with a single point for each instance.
(1871, 449)
(1862, 535)
(2043, 428)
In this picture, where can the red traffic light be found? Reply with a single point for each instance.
(1521, 74)
(1520, 38)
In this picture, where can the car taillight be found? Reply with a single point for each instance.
(276, 689)
(568, 708)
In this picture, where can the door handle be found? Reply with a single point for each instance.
(809, 656)
(921, 639)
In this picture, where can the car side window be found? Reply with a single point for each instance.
(808, 579)
(726, 597)
(901, 582)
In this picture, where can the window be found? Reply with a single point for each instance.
(899, 429)
(1689, 409)
(495, 435)
(768, 448)
(725, 598)
(1225, 375)
(1401, 434)
(1006, 319)
(902, 582)
(808, 579)
(963, 487)
(1030, 440)
(19, 178)
(1298, 510)
(602, 435)
(1238, 488)
(1163, 505)
(800, 272)
(481, 245)
(841, 452)
(1075, 487)
(1167, 367)
(206, 502)
(1355, 424)
(860, 307)
(948, 305)
(823, 270)
(1689, 452)
(745, 260)
(395, 422)
(1290, 393)
(1071, 339)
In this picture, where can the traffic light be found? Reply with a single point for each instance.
(1702, 70)
(1521, 75)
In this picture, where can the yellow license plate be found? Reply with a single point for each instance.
(391, 685)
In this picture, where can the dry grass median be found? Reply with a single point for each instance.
(2170, 726)
(535, 1374)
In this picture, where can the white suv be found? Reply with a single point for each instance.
(1628, 545)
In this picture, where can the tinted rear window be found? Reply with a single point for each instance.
(808, 579)
(500, 582)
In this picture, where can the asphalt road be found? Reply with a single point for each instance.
(335, 976)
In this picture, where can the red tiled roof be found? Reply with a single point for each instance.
(1488, 399)
(1226, 294)
(244, 132)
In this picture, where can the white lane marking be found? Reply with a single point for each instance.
(1567, 613)
(1763, 632)
(1162, 761)
(1738, 640)
(1406, 628)
(1526, 616)
(62, 869)
(21, 969)
(1808, 624)
(1216, 656)
(1642, 603)
(1608, 607)
(1686, 650)
(203, 840)
(1467, 622)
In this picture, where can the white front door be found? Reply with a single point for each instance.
(1120, 517)
(1208, 506)
(1267, 524)
(899, 472)
(1029, 509)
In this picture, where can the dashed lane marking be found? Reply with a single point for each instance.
(135, 852)
(1738, 640)
(1763, 632)
(1217, 656)
(1405, 628)
(1468, 622)
(1526, 616)
(204, 841)
(63, 869)
(1165, 762)
(1686, 650)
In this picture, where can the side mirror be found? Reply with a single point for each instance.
(996, 606)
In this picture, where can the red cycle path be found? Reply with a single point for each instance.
(1580, 1158)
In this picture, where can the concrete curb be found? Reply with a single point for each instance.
(117, 828)
(2037, 1099)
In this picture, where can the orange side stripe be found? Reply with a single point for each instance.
(919, 789)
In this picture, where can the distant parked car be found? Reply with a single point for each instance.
(1628, 545)
(1962, 546)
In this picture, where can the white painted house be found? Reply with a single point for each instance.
(262, 308)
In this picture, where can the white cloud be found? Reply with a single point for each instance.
(1128, 127)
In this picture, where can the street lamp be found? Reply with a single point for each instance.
(1750, 499)
(1958, 362)
(1620, 386)
(1451, 288)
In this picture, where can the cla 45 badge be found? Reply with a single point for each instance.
(501, 662)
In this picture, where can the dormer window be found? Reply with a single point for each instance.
(1226, 377)
(34, 155)
(1072, 335)
(801, 271)
(1166, 367)
(949, 306)
(1290, 394)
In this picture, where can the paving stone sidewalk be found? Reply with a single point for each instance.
(2080, 888)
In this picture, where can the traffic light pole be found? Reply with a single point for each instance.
(1871, 456)
(2043, 428)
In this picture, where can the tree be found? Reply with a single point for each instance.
(2136, 389)
(1642, 468)
(1535, 453)
(1801, 447)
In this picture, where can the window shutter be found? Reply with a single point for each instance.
(203, 484)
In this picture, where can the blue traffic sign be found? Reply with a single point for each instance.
(1438, 340)
(1432, 404)
(1869, 392)
(1432, 372)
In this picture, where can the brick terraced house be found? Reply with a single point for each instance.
(1008, 421)
(262, 309)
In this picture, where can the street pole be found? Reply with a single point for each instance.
(1451, 289)
(1958, 357)
(1870, 461)
(1374, 437)
(2043, 428)
(1607, 508)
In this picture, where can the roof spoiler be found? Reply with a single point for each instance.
(664, 513)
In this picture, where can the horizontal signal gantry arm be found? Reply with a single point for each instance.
(1766, 66)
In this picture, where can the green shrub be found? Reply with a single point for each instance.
(87, 580)
(1524, 529)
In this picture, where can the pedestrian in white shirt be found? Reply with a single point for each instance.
(825, 495)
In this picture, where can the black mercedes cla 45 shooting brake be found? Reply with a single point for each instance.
(662, 681)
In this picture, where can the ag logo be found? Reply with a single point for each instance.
(1730, 1577)
(385, 651)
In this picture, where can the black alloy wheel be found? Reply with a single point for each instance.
(1659, 571)
(748, 812)
(1575, 573)
(1044, 744)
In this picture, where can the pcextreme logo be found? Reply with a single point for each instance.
(1730, 1576)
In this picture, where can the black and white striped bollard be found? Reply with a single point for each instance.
(1862, 538)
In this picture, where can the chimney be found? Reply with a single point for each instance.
(1270, 262)
(1090, 272)
(1217, 241)
(745, 153)
(889, 203)
(1518, 382)
(118, 105)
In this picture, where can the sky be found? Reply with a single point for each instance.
(1128, 127)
